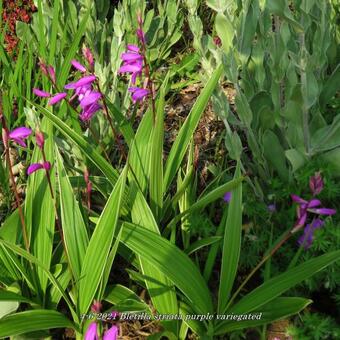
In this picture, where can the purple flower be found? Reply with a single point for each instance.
(131, 57)
(41, 93)
(37, 166)
(57, 98)
(271, 207)
(89, 98)
(76, 64)
(132, 62)
(306, 207)
(81, 82)
(91, 332)
(138, 94)
(19, 134)
(307, 237)
(316, 184)
(227, 197)
(133, 48)
(111, 334)
(89, 111)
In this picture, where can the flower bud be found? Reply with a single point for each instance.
(39, 138)
(316, 183)
(88, 56)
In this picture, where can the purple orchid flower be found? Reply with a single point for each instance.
(37, 166)
(316, 184)
(111, 334)
(19, 134)
(311, 206)
(308, 234)
(77, 65)
(227, 197)
(91, 332)
(41, 93)
(138, 94)
(57, 98)
(89, 98)
(132, 62)
(81, 82)
(89, 111)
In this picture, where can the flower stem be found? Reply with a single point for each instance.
(264, 259)
(5, 133)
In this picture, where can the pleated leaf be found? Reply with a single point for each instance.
(180, 146)
(99, 246)
(74, 229)
(281, 283)
(231, 245)
(33, 320)
(172, 262)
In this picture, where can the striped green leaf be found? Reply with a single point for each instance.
(33, 320)
(231, 245)
(99, 247)
(278, 285)
(181, 143)
(39, 208)
(74, 229)
(160, 253)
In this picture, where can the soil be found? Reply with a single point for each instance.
(13, 11)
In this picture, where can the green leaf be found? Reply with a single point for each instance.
(231, 245)
(159, 287)
(156, 149)
(330, 88)
(275, 154)
(74, 229)
(99, 247)
(281, 283)
(199, 244)
(208, 198)
(225, 30)
(34, 260)
(39, 208)
(160, 252)
(33, 320)
(65, 70)
(279, 308)
(181, 143)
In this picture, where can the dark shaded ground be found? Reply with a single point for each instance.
(12, 11)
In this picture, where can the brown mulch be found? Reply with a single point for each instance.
(13, 11)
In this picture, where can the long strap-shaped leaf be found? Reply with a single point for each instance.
(277, 309)
(74, 229)
(99, 246)
(231, 244)
(181, 143)
(33, 320)
(172, 262)
(53, 280)
(281, 283)
(160, 288)
(39, 209)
